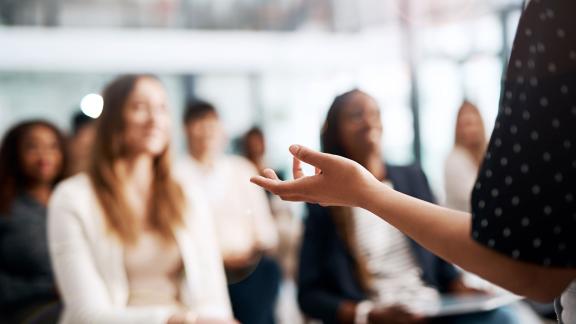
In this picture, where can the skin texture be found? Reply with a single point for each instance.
(80, 147)
(342, 182)
(470, 133)
(41, 161)
(206, 138)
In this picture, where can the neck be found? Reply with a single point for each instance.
(259, 163)
(373, 162)
(40, 192)
(204, 159)
(137, 170)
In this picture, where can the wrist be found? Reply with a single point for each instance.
(372, 195)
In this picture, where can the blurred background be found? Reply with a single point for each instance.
(273, 63)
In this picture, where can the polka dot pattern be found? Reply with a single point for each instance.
(524, 202)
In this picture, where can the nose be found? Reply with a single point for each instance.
(154, 116)
(371, 119)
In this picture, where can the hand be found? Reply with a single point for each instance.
(338, 181)
(394, 315)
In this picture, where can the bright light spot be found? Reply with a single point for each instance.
(92, 105)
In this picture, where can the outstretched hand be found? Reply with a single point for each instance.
(337, 181)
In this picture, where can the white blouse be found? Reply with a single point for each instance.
(242, 214)
(90, 270)
(460, 174)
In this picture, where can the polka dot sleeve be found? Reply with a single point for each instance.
(523, 203)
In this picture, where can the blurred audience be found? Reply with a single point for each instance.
(245, 227)
(81, 141)
(354, 268)
(32, 161)
(128, 245)
(289, 225)
(253, 146)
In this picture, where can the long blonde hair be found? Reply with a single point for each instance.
(167, 204)
(478, 152)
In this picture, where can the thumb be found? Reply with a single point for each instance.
(314, 158)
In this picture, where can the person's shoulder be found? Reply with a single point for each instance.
(241, 162)
(197, 210)
(183, 166)
(75, 189)
(458, 154)
(240, 167)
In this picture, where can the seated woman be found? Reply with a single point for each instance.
(128, 245)
(32, 161)
(354, 268)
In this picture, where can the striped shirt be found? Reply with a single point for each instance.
(395, 274)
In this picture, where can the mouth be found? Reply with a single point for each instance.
(371, 134)
(154, 133)
(45, 167)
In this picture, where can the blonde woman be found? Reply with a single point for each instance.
(128, 245)
(463, 163)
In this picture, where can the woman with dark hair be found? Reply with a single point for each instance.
(32, 162)
(128, 245)
(357, 269)
(253, 147)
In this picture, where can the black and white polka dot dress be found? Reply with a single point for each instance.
(524, 201)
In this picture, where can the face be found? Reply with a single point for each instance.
(205, 135)
(361, 125)
(81, 145)
(40, 155)
(470, 127)
(146, 119)
(255, 145)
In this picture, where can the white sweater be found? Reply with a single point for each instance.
(460, 174)
(89, 262)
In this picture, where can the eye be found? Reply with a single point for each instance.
(139, 106)
(54, 146)
(30, 146)
(162, 107)
(355, 115)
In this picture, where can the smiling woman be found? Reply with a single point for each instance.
(127, 244)
(32, 162)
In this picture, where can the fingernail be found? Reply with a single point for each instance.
(294, 149)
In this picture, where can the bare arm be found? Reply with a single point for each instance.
(447, 233)
(443, 231)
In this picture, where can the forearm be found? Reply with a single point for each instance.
(446, 233)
